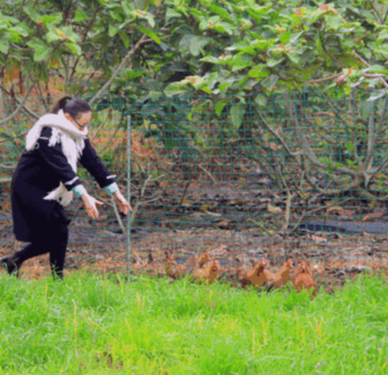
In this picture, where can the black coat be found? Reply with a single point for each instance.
(39, 172)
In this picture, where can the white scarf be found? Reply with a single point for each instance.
(73, 143)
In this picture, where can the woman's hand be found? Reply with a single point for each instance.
(123, 204)
(91, 205)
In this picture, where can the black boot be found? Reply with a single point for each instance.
(11, 264)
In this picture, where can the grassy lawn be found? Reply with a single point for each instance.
(90, 324)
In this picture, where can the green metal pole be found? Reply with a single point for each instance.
(129, 194)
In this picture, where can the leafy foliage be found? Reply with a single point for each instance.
(204, 47)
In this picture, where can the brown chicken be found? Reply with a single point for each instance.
(282, 277)
(256, 276)
(208, 274)
(303, 278)
(176, 271)
(203, 259)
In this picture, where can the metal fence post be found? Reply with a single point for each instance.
(129, 193)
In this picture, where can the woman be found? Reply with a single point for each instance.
(46, 178)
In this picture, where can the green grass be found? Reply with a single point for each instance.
(90, 324)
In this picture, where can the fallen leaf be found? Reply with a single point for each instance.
(223, 224)
(337, 209)
(273, 146)
(372, 216)
(318, 239)
(274, 209)
(186, 202)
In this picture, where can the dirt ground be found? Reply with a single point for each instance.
(332, 257)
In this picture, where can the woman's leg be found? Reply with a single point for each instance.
(58, 251)
(54, 241)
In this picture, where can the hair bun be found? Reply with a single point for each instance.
(71, 105)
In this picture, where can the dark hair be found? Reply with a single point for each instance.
(74, 106)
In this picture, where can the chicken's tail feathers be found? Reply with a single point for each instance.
(190, 264)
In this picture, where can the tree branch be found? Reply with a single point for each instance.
(368, 65)
(84, 35)
(99, 128)
(119, 68)
(324, 79)
(29, 111)
(278, 137)
(329, 54)
(371, 141)
(377, 13)
(20, 106)
(385, 17)
(307, 148)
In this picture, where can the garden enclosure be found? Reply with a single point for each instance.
(298, 174)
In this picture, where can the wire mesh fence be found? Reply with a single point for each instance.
(292, 175)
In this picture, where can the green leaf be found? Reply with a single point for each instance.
(149, 33)
(196, 44)
(378, 69)
(54, 20)
(382, 50)
(225, 85)
(285, 37)
(237, 114)
(143, 14)
(366, 52)
(333, 22)
(219, 107)
(4, 46)
(155, 95)
(113, 30)
(273, 62)
(52, 37)
(240, 62)
(74, 48)
(80, 15)
(224, 27)
(172, 13)
(197, 108)
(176, 88)
(31, 13)
(42, 54)
(42, 50)
(349, 146)
(383, 34)
(294, 57)
(193, 43)
(125, 38)
(259, 72)
(221, 12)
(211, 59)
(270, 82)
(261, 100)
(243, 47)
(8, 19)
(261, 45)
(18, 30)
(316, 15)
